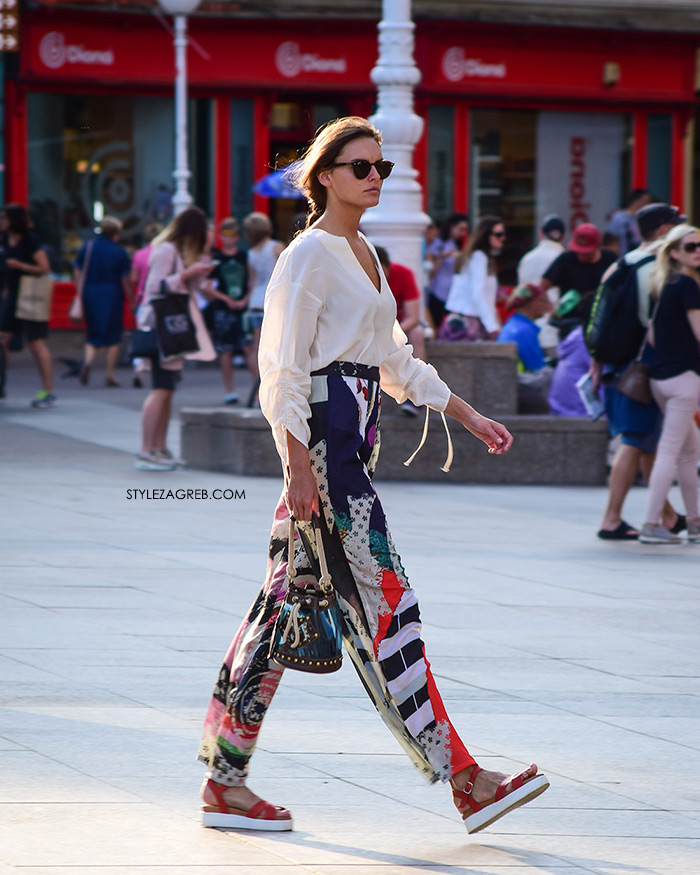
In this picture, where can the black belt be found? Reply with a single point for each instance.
(349, 369)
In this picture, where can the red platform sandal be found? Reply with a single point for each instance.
(512, 792)
(263, 815)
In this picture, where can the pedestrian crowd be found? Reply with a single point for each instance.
(545, 315)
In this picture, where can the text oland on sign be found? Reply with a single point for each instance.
(457, 66)
(55, 53)
(9, 26)
(291, 61)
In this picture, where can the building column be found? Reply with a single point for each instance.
(399, 221)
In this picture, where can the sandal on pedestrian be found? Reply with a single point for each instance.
(512, 792)
(262, 816)
(623, 532)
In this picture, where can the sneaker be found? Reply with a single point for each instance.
(44, 399)
(409, 408)
(138, 382)
(167, 456)
(694, 532)
(152, 462)
(658, 535)
(231, 398)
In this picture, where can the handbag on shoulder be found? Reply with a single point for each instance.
(308, 631)
(76, 313)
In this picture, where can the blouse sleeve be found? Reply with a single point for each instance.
(403, 376)
(286, 340)
(164, 264)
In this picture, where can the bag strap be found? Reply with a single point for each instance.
(86, 267)
(325, 582)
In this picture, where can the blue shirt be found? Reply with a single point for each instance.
(523, 331)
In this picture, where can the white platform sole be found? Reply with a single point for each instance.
(239, 821)
(529, 791)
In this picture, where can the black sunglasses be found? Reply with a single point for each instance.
(691, 247)
(362, 167)
(498, 233)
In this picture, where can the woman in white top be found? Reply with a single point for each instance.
(329, 339)
(471, 303)
(262, 257)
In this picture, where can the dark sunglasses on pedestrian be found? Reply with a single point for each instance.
(500, 234)
(691, 247)
(362, 167)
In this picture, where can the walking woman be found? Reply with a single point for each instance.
(176, 260)
(675, 381)
(23, 257)
(441, 254)
(471, 304)
(329, 339)
(102, 272)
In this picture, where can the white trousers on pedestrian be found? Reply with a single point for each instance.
(679, 444)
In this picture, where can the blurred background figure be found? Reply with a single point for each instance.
(471, 303)
(176, 260)
(573, 358)
(528, 303)
(139, 272)
(23, 256)
(104, 286)
(408, 308)
(623, 223)
(582, 266)
(441, 256)
(229, 288)
(263, 253)
(532, 267)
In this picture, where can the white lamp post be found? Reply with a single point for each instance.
(180, 9)
(399, 221)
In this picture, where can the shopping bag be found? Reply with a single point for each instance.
(34, 298)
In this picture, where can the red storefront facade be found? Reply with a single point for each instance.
(519, 120)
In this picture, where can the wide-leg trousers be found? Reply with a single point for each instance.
(380, 610)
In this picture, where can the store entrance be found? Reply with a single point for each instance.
(293, 122)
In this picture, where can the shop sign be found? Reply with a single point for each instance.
(456, 66)
(291, 61)
(55, 53)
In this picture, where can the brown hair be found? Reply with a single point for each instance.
(188, 231)
(478, 240)
(328, 143)
(257, 227)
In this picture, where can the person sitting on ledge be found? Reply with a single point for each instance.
(530, 302)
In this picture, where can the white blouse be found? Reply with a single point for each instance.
(321, 307)
(473, 292)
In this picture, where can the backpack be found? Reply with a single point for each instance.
(613, 332)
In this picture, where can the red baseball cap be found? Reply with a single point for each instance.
(585, 239)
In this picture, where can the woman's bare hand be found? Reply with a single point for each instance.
(302, 492)
(495, 435)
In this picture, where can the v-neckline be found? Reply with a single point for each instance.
(377, 266)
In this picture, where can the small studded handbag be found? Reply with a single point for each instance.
(308, 631)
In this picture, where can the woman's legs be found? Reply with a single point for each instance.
(111, 362)
(155, 415)
(678, 447)
(42, 357)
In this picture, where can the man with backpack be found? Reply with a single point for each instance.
(614, 333)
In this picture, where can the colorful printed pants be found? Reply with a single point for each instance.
(383, 628)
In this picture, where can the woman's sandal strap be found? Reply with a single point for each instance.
(219, 796)
(515, 781)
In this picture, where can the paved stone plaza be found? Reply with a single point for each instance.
(547, 644)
